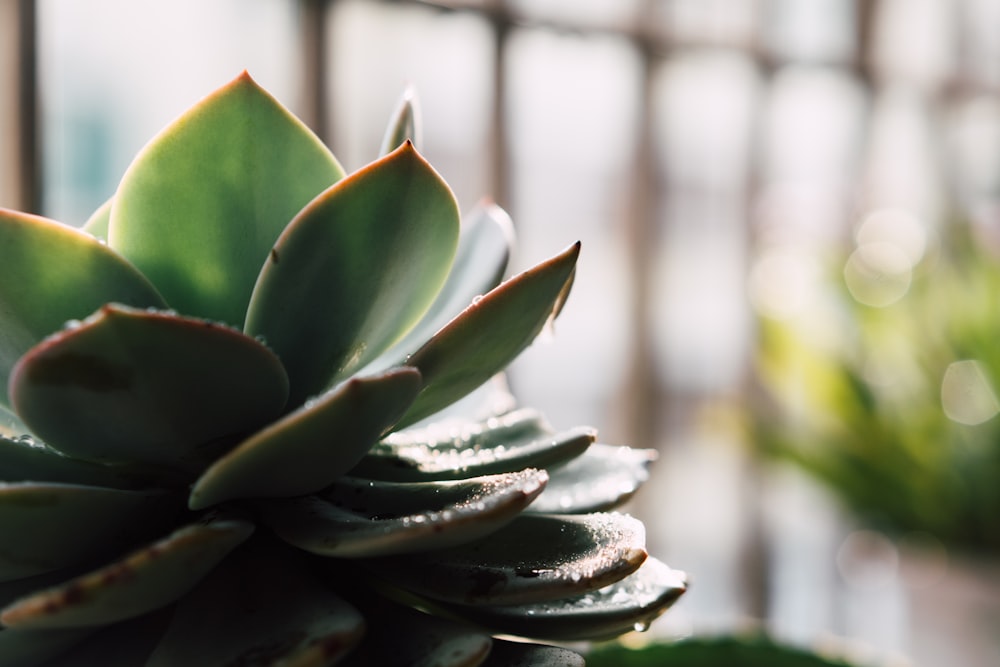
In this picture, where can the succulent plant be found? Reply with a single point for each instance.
(254, 414)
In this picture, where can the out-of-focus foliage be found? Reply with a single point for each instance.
(756, 651)
(894, 405)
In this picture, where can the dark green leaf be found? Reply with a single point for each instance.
(361, 518)
(507, 443)
(47, 526)
(137, 386)
(533, 558)
(140, 582)
(310, 448)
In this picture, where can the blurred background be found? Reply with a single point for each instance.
(790, 280)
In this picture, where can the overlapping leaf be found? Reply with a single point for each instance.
(355, 270)
(153, 387)
(50, 274)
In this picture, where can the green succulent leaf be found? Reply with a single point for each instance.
(308, 449)
(140, 582)
(355, 270)
(534, 558)
(357, 518)
(51, 273)
(202, 204)
(602, 478)
(524, 654)
(97, 224)
(149, 387)
(404, 637)
(484, 246)
(515, 441)
(485, 337)
(48, 526)
(276, 613)
(629, 604)
(404, 125)
(24, 459)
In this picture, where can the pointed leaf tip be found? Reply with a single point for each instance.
(359, 266)
(484, 338)
(201, 205)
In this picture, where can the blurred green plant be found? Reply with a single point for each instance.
(750, 651)
(884, 387)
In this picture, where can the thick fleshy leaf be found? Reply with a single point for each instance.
(24, 459)
(357, 518)
(404, 125)
(202, 204)
(629, 604)
(46, 526)
(523, 654)
(355, 270)
(152, 387)
(484, 246)
(142, 581)
(310, 448)
(259, 607)
(600, 479)
(511, 442)
(489, 334)
(97, 223)
(533, 558)
(51, 273)
(404, 637)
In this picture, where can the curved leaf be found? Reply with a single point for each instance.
(629, 604)
(534, 558)
(51, 273)
(310, 448)
(260, 607)
(600, 479)
(361, 518)
(46, 526)
(24, 459)
(404, 125)
(355, 270)
(202, 204)
(152, 387)
(144, 580)
(484, 245)
(514, 441)
(489, 334)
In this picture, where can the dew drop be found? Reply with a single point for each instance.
(641, 626)
(69, 325)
